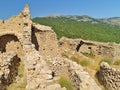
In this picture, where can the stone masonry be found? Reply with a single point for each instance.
(106, 50)
(28, 41)
(109, 77)
(81, 80)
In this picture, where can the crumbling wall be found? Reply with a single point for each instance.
(111, 51)
(34, 39)
(80, 79)
(109, 77)
(45, 40)
(15, 36)
(13, 26)
(6, 39)
(16, 47)
(9, 63)
(106, 50)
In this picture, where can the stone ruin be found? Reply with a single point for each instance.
(109, 77)
(106, 50)
(35, 48)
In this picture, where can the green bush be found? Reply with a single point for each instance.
(64, 82)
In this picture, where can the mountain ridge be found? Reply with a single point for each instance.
(86, 18)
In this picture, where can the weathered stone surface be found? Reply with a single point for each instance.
(107, 50)
(80, 79)
(46, 40)
(9, 63)
(27, 40)
(109, 77)
(55, 87)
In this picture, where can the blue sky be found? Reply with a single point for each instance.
(93, 8)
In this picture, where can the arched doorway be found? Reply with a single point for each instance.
(6, 39)
(10, 45)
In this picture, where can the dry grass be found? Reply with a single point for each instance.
(65, 82)
(84, 62)
(92, 63)
(90, 55)
(64, 55)
(116, 62)
(109, 61)
(75, 59)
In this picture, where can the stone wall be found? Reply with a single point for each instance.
(16, 47)
(27, 33)
(28, 41)
(106, 50)
(45, 40)
(13, 26)
(5, 39)
(109, 77)
(9, 63)
(80, 79)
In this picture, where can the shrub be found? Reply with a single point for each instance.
(64, 82)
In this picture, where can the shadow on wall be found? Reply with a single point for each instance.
(11, 77)
(79, 45)
(34, 39)
(5, 39)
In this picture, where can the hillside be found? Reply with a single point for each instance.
(83, 27)
(112, 21)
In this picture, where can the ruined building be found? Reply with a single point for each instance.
(29, 54)
(108, 50)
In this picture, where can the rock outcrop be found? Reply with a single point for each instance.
(109, 77)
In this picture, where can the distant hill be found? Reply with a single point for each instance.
(85, 27)
(111, 21)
